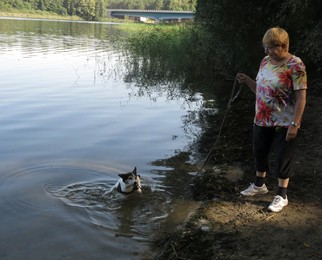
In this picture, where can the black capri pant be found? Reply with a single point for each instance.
(267, 140)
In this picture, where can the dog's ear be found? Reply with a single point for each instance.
(134, 171)
(124, 176)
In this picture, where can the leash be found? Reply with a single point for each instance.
(230, 101)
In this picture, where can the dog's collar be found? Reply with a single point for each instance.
(135, 187)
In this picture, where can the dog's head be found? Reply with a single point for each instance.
(131, 180)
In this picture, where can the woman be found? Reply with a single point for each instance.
(280, 89)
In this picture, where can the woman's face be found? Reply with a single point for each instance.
(275, 52)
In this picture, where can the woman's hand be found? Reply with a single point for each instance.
(243, 78)
(291, 132)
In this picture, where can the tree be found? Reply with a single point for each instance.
(234, 30)
(86, 9)
(70, 6)
(100, 8)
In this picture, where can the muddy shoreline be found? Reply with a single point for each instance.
(228, 226)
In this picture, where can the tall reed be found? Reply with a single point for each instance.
(165, 52)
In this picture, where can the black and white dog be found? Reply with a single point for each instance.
(127, 183)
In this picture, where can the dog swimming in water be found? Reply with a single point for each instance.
(127, 183)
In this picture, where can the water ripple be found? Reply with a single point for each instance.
(134, 215)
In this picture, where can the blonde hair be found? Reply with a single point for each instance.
(276, 36)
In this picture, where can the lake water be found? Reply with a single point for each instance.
(69, 123)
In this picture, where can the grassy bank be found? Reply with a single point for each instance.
(36, 14)
(31, 14)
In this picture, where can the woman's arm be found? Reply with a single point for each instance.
(300, 103)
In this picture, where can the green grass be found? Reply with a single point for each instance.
(28, 13)
(37, 14)
(131, 25)
(158, 40)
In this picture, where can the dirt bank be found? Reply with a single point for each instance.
(228, 226)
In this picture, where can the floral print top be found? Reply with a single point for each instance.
(275, 91)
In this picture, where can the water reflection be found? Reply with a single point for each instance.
(58, 27)
(202, 100)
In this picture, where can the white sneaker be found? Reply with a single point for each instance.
(278, 204)
(254, 190)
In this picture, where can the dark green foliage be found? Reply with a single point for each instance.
(236, 28)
